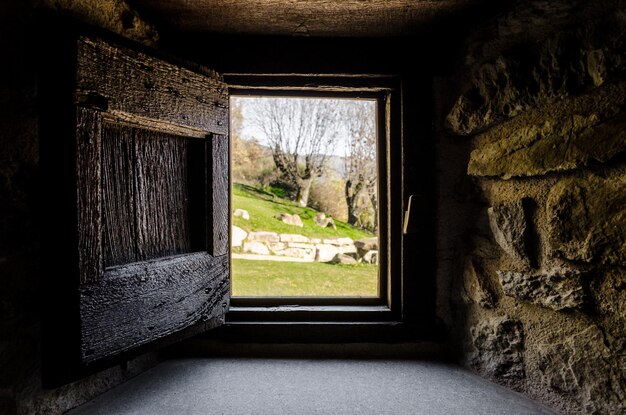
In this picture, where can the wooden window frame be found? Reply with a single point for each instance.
(386, 307)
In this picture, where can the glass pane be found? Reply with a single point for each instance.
(304, 200)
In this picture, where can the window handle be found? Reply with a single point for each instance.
(411, 214)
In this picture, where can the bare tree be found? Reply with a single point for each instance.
(360, 160)
(300, 133)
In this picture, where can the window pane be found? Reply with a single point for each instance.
(304, 199)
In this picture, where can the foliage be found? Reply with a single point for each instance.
(273, 278)
(326, 197)
(300, 133)
(264, 205)
(360, 184)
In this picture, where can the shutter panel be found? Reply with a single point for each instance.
(151, 200)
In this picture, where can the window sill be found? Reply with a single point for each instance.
(330, 332)
(304, 313)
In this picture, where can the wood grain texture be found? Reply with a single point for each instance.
(146, 150)
(219, 180)
(304, 17)
(88, 149)
(161, 192)
(141, 302)
(118, 195)
(127, 81)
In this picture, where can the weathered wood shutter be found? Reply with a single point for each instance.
(151, 215)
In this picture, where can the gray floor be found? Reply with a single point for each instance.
(292, 386)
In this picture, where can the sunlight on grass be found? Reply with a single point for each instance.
(263, 206)
(291, 279)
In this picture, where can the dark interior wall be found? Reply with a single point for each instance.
(21, 272)
(529, 123)
(531, 141)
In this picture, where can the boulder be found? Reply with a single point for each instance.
(262, 236)
(370, 257)
(293, 220)
(347, 249)
(343, 259)
(325, 252)
(559, 289)
(276, 247)
(508, 225)
(300, 245)
(293, 237)
(365, 245)
(498, 348)
(321, 220)
(257, 248)
(345, 241)
(238, 235)
(241, 213)
(306, 253)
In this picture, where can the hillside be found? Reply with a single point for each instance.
(263, 206)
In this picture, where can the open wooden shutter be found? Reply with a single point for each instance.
(150, 203)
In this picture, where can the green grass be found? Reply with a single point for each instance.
(263, 206)
(310, 279)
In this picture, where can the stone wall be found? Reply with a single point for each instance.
(20, 269)
(532, 150)
(298, 246)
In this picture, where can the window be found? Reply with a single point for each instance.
(134, 151)
(304, 180)
(384, 92)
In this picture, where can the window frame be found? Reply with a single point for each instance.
(386, 307)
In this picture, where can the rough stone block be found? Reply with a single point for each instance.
(300, 245)
(562, 65)
(257, 248)
(558, 289)
(241, 213)
(325, 252)
(582, 367)
(508, 225)
(576, 132)
(371, 257)
(293, 237)
(498, 346)
(238, 235)
(343, 259)
(367, 244)
(306, 253)
(476, 288)
(363, 246)
(347, 249)
(587, 218)
(276, 247)
(293, 220)
(263, 236)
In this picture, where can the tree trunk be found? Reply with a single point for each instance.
(304, 188)
(351, 196)
(374, 200)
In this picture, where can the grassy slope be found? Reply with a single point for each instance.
(262, 207)
(278, 279)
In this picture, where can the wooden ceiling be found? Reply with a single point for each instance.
(304, 17)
